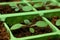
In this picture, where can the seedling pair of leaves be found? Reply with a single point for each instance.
(32, 30)
(40, 3)
(43, 3)
(24, 8)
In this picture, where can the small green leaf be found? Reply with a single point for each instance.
(58, 22)
(31, 30)
(37, 5)
(13, 7)
(26, 21)
(47, 7)
(26, 8)
(16, 26)
(41, 24)
(53, 4)
(17, 9)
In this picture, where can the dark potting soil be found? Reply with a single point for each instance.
(54, 38)
(24, 31)
(4, 35)
(7, 9)
(54, 19)
(50, 7)
(46, 5)
(8, 0)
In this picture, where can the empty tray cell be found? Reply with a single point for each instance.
(9, 9)
(28, 25)
(4, 35)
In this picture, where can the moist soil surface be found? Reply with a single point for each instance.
(24, 31)
(54, 19)
(4, 35)
(7, 9)
(8, 0)
(50, 7)
(55, 38)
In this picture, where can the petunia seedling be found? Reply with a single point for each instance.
(26, 8)
(17, 9)
(40, 3)
(13, 7)
(31, 30)
(37, 5)
(26, 21)
(41, 24)
(58, 22)
(52, 3)
(16, 26)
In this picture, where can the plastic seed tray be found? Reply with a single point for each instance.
(19, 11)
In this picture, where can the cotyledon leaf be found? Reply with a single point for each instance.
(37, 5)
(41, 24)
(27, 8)
(26, 21)
(58, 22)
(17, 9)
(31, 30)
(16, 26)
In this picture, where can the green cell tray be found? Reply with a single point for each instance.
(21, 17)
(42, 13)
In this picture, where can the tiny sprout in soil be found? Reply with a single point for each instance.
(30, 27)
(7, 9)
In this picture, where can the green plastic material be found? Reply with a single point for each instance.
(30, 16)
(14, 18)
(31, 30)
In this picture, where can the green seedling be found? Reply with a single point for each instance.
(42, 3)
(16, 26)
(37, 5)
(58, 22)
(40, 24)
(31, 30)
(26, 21)
(47, 7)
(13, 7)
(17, 9)
(27, 8)
(52, 3)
